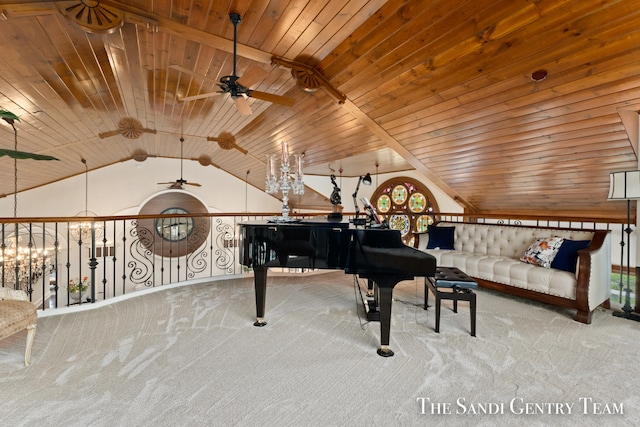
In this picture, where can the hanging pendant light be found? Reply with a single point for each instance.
(21, 261)
(81, 230)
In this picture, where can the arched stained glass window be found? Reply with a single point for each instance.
(406, 204)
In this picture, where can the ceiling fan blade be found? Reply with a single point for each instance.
(242, 105)
(179, 184)
(276, 99)
(201, 96)
(252, 76)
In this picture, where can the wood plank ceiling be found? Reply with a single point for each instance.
(444, 87)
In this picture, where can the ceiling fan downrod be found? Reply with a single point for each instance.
(181, 181)
(235, 20)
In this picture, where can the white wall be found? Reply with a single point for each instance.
(123, 188)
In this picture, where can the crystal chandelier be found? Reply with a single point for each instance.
(284, 183)
(81, 231)
(23, 264)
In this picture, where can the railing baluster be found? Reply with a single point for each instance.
(221, 242)
(114, 259)
(124, 257)
(104, 260)
(93, 262)
(68, 265)
(622, 245)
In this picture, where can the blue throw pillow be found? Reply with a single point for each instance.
(441, 237)
(567, 256)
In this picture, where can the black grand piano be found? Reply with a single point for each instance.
(376, 254)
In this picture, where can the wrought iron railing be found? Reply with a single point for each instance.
(106, 257)
(73, 261)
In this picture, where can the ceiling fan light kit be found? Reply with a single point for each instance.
(242, 105)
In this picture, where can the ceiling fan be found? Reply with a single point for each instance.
(178, 183)
(237, 87)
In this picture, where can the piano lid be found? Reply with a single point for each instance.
(318, 221)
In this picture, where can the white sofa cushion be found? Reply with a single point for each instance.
(509, 271)
(510, 242)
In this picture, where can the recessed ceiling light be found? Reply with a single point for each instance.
(539, 75)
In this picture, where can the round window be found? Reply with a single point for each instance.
(174, 229)
(406, 204)
(177, 235)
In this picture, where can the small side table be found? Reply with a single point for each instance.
(459, 288)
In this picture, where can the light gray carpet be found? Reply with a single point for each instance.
(189, 356)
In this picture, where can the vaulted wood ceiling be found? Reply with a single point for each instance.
(442, 86)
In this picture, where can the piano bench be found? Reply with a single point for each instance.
(459, 287)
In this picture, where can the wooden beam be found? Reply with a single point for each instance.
(28, 9)
(188, 33)
(141, 17)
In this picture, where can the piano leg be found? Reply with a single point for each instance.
(385, 284)
(260, 284)
(386, 298)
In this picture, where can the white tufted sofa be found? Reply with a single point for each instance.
(491, 253)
